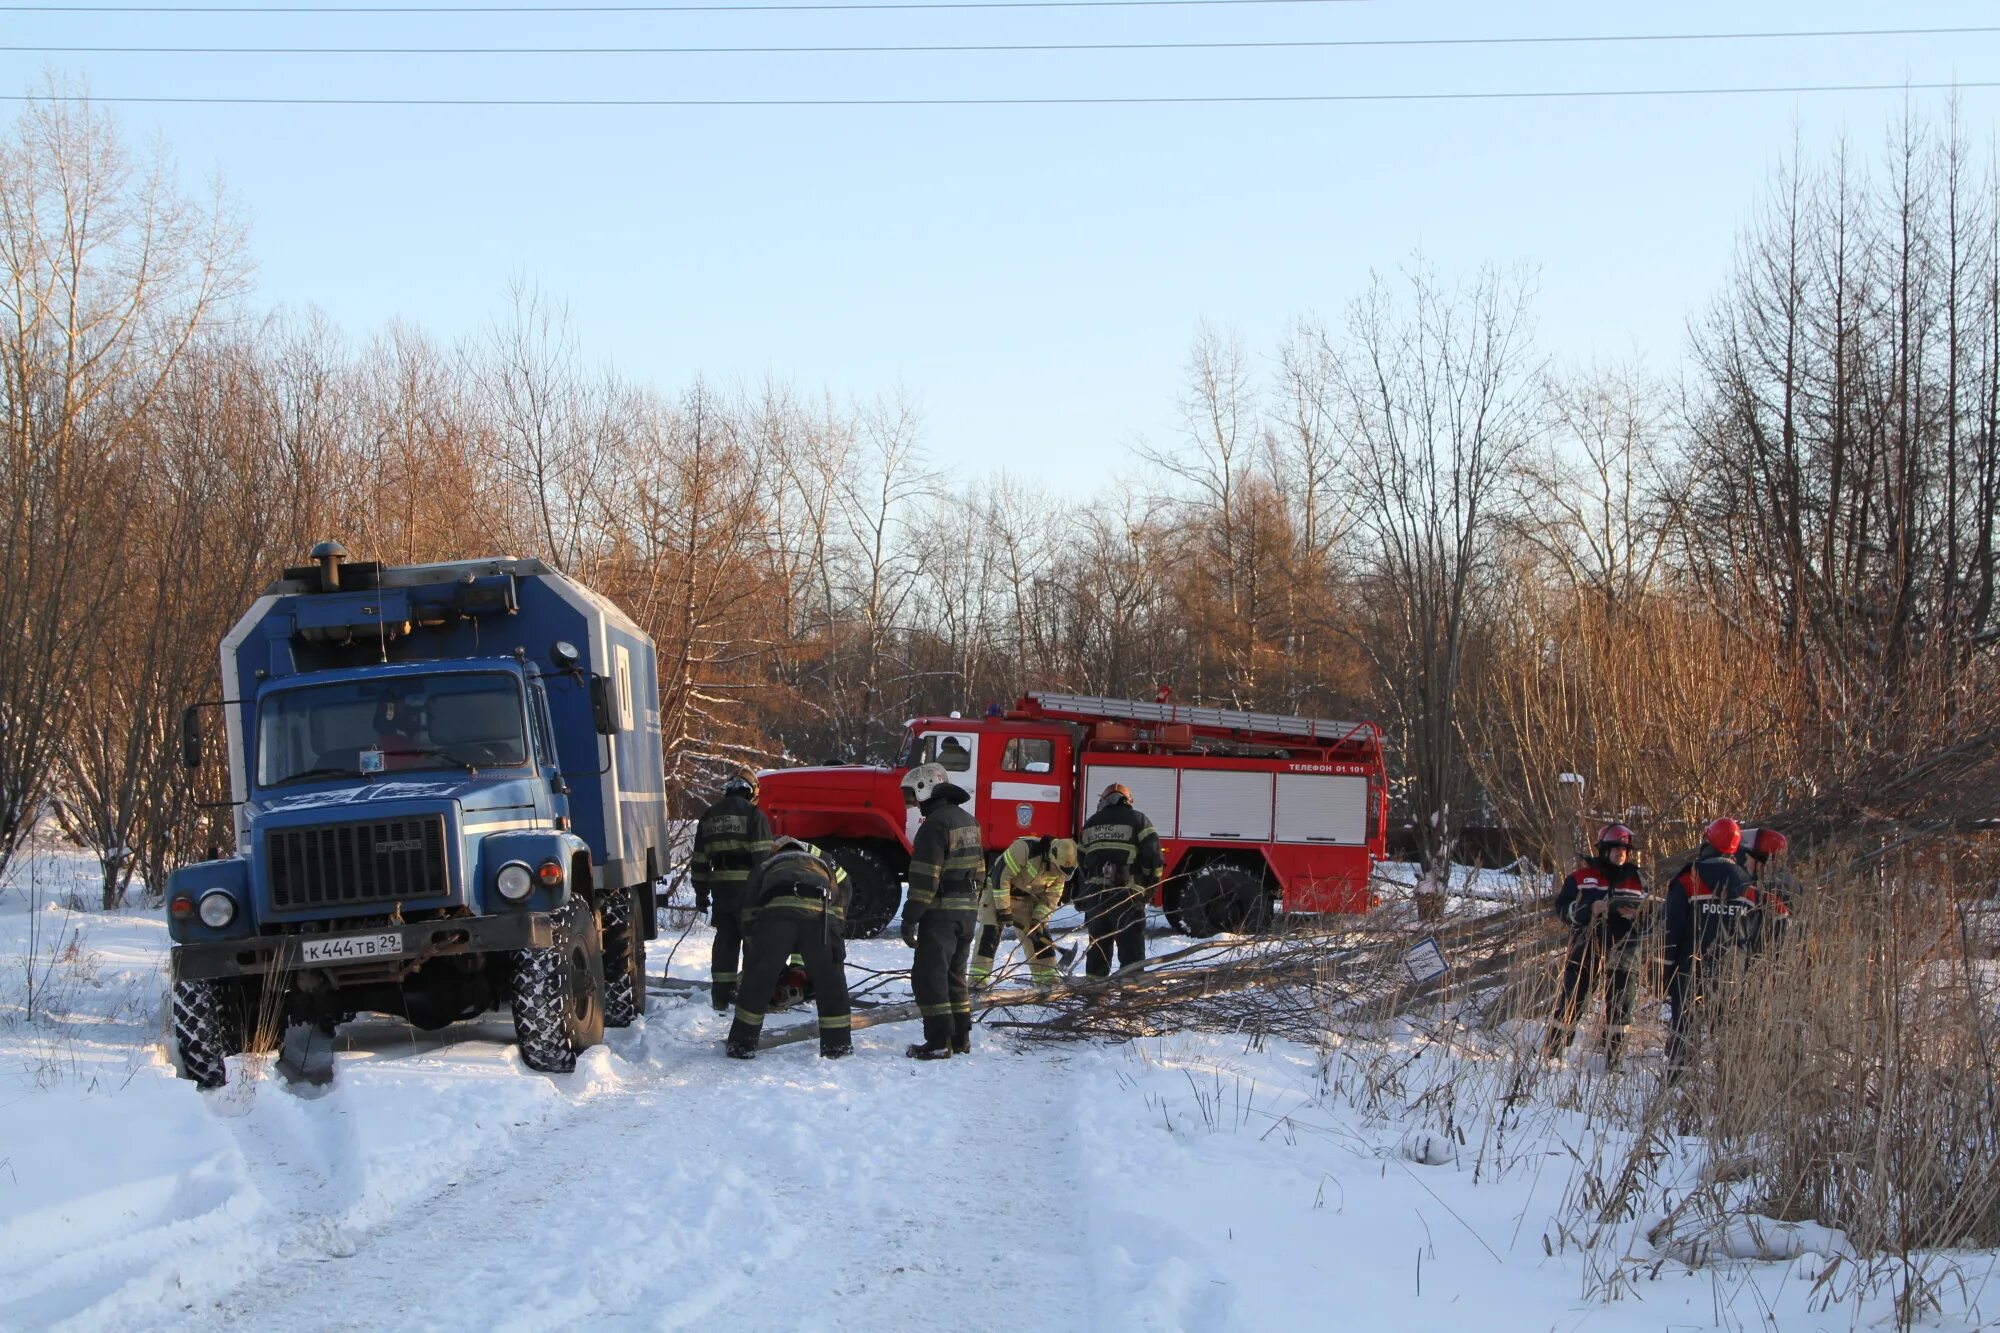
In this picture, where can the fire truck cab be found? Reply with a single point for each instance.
(1258, 813)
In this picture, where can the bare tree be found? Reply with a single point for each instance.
(107, 273)
(1435, 387)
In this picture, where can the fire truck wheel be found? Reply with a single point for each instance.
(873, 894)
(1222, 897)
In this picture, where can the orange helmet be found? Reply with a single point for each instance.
(1117, 791)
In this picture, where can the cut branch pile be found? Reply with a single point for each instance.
(1286, 985)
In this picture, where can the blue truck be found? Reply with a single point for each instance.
(447, 795)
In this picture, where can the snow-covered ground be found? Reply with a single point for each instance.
(1191, 1181)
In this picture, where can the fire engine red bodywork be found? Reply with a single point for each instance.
(1304, 801)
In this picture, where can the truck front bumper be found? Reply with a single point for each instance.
(263, 954)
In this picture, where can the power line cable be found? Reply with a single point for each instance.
(645, 9)
(1300, 44)
(1167, 100)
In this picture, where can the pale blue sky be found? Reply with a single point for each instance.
(1033, 274)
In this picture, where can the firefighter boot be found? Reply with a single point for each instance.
(1044, 978)
(961, 1034)
(936, 1044)
(1557, 1041)
(721, 995)
(740, 1050)
(1614, 1047)
(836, 1050)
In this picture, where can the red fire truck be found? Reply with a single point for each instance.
(1257, 812)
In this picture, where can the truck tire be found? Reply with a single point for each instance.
(624, 959)
(559, 994)
(208, 1028)
(874, 896)
(1223, 897)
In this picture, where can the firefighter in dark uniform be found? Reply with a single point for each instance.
(1770, 888)
(730, 839)
(1121, 864)
(1603, 902)
(795, 903)
(941, 916)
(1710, 917)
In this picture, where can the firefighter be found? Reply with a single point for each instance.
(731, 838)
(947, 863)
(1121, 863)
(1709, 916)
(1024, 888)
(1603, 902)
(794, 905)
(1770, 889)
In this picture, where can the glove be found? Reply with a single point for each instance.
(910, 930)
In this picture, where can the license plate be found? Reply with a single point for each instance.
(351, 948)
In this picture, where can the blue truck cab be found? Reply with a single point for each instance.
(447, 796)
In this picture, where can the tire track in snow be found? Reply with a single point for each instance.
(792, 1191)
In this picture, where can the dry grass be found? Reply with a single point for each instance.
(1841, 1099)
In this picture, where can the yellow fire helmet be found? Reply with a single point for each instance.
(1062, 853)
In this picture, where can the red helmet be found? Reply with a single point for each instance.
(1725, 835)
(1765, 843)
(1616, 835)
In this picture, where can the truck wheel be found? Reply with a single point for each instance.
(624, 960)
(559, 995)
(1222, 897)
(874, 896)
(208, 1028)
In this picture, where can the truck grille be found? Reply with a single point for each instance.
(389, 860)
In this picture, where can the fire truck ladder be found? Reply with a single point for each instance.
(1214, 719)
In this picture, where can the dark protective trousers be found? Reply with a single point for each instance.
(723, 958)
(937, 976)
(819, 944)
(1591, 952)
(1115, 915)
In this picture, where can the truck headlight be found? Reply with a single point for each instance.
(515, 881)
(217, 909)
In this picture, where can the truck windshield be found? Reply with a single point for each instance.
(461, 720)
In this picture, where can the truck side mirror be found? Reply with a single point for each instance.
(603, 706)
(191, 737)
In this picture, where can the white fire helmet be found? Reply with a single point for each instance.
(922, 782)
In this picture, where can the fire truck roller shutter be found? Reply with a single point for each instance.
(1236, 806)
(1155, 792)
(1323, 808)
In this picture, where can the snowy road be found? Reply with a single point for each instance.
(699, 1192)
(1184, 1181)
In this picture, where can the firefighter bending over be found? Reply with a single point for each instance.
(1770, 888)
(730, 839)
(1121, 863)
(941, 914)
(795, 902)
(1709, 915)
(1024, 889)
(1603, 903)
